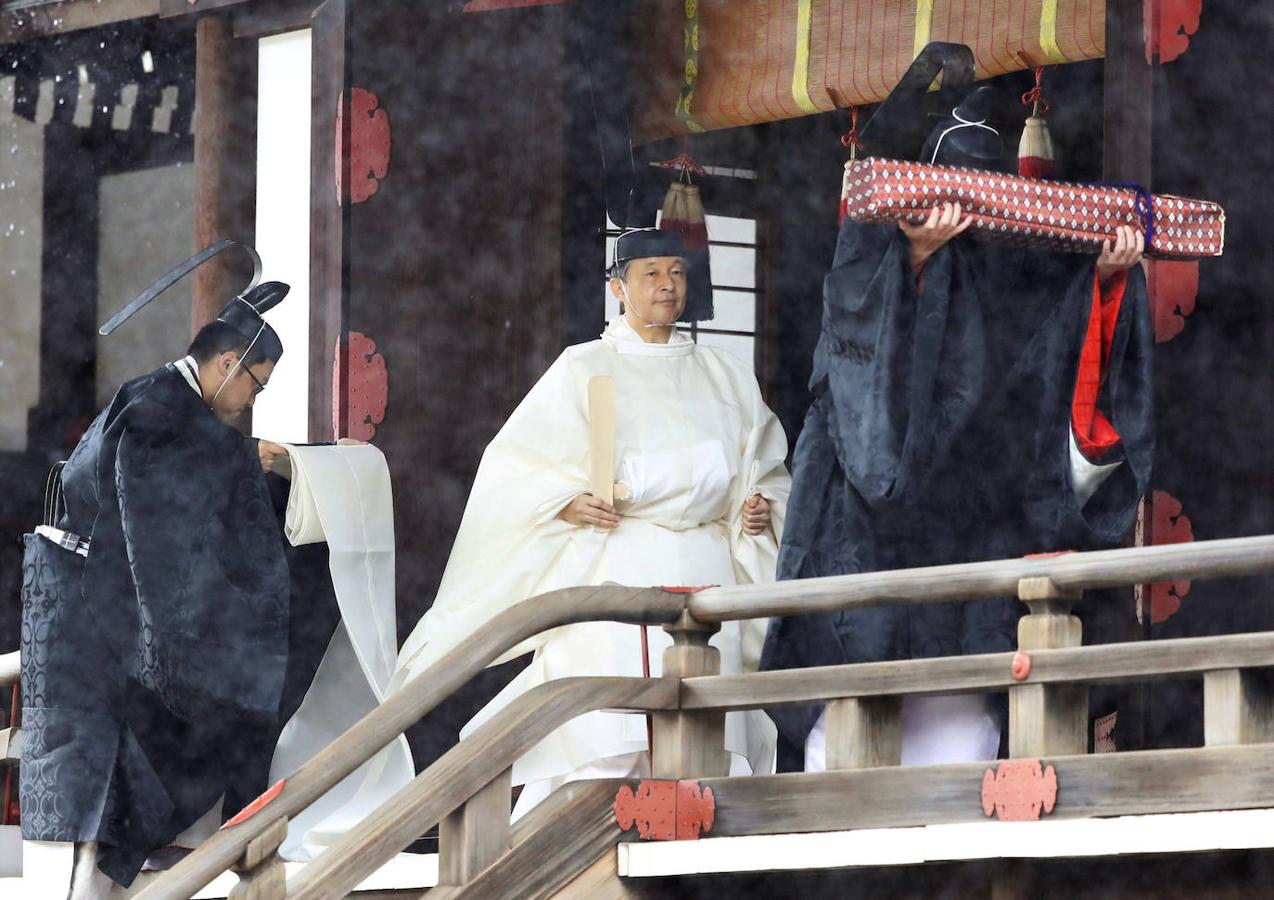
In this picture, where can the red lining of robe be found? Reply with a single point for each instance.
(1095, 436)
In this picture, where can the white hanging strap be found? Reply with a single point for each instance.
(960, 123)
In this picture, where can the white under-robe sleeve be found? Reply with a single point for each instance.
(1087, 477)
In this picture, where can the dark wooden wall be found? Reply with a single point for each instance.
(454, 263)
(1214, 380)
(454, 266)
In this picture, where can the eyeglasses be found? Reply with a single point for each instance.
(259, 386)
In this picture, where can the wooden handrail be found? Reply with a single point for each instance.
(642, 606)
(466, 768)
(996, 578)
(1103, 663)
(10, 668)
(1079, 571)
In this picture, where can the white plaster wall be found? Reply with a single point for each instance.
(21, 214)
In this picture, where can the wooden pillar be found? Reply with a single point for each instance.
(329, 219)
(225, 160)
(260, 870)
(1047, 719)
(1238, 707)
(690, 744)
(864, 733)
(476, 834)
(1128, 100)
(1128, 119)
(68, 292)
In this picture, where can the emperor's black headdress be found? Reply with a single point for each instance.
(243, 313)
(639, 243)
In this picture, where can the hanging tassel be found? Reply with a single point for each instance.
(849, 140)
(1035, 157)
(683, 213)
(670, 212)
(694, 225)
(683, 209)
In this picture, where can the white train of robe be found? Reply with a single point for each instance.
(342, 495)
(694, 440)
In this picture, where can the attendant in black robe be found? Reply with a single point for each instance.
(972, 401)
(156, 672)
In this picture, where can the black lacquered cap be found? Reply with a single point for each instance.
(640, 243)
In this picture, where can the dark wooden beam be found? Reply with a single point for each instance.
(172, 8)
(73, 15)
(261, 20)
(225, 159)
(1129, 96)
(329, 217)
(225, 165)
(1127, 156)
(68, 332)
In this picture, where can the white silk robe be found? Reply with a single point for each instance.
(695, 440)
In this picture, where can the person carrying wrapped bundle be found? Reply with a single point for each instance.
(972, 400)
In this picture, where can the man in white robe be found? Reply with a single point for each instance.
(702, 457)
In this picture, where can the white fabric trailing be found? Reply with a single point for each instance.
(342, 495)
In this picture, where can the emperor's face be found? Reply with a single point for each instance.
(654, 288)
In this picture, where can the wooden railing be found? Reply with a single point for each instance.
(468, 789)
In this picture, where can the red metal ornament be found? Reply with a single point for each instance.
(1169, 526)
(696, 810)
(665, 810)
(1021, 666)
(1173, 286)
(1019, 790)
(1169, 25)
(370, 143)
(367, 388)
(256, 805)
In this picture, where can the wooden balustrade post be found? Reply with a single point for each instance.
(1238, 707)
(864, 733)
(1047, 720)
(260, 870)
(477, 834)
(690, 744)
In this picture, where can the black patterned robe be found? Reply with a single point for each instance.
(153, 669)
(939, 434)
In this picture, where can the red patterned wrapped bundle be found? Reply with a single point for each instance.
(1051, 215)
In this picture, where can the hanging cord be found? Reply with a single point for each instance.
(53, 494)
(685, 162)
(961, 122)
(650, 728)
(849, 139)
(1034, 98)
